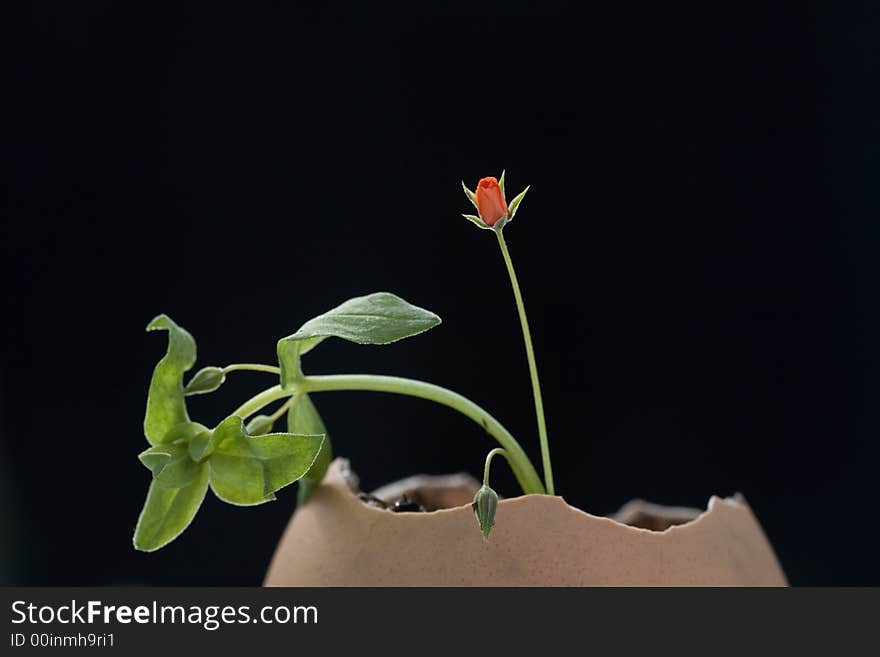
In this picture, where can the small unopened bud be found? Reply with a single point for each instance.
(207, 379)
(260, 425)
(485, 504)
(490, 201)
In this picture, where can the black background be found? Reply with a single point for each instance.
(697, 255)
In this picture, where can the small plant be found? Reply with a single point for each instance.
(244, 461)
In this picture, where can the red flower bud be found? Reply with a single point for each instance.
(490, 201)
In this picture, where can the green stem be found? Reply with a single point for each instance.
(533, 367)
(257, 402)
(522, 468)
(489, 457)
(281, 410)
(251, 367)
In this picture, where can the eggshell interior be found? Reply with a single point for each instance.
(538, 540)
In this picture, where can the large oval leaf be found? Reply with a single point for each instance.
(378, 318)
(168, 511)
(247, 470)
(165, 404)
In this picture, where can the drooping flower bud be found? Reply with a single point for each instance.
(485, 504)
(490, 201)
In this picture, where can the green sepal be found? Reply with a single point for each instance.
(471, 196)
(165, 403)
(207, 379)
(501, 223)
(378, 318)
(501, 182)
(303, 418)
(514, 204)
(247, 470)
(168, 511)
(477, 221)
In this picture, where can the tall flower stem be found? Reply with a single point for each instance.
(533, 367)
(522, 468)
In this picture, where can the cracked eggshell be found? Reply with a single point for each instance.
(538, 540)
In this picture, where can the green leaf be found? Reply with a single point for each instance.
(260, 425)
(514, 204)
(155, 458)
(183, 432)
(476, 220)
(379, 318)
(165, 404)
(501, 182)
(171, 465)
(247, 470)
(471, 196)
(207, 379)
(203, 445)
(168, 511)
(303, 418)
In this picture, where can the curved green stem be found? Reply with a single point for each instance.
(489, 457)
(251, 367)
(522, 468)
(281, 410)
(259, 401)
(525, 474)
(533, 367)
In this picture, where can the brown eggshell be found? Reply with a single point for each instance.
(538, 540)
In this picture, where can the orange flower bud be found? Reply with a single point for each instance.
(490, 201)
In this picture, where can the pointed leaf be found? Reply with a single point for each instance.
(171, 465)
(155, 458)
(501, 182)
(379, 318)
(471, 196)
(303, 418)
(247, 470)
(203, 445)
(184, 432)
(168, 511)
(165, 404)
(514, 204)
